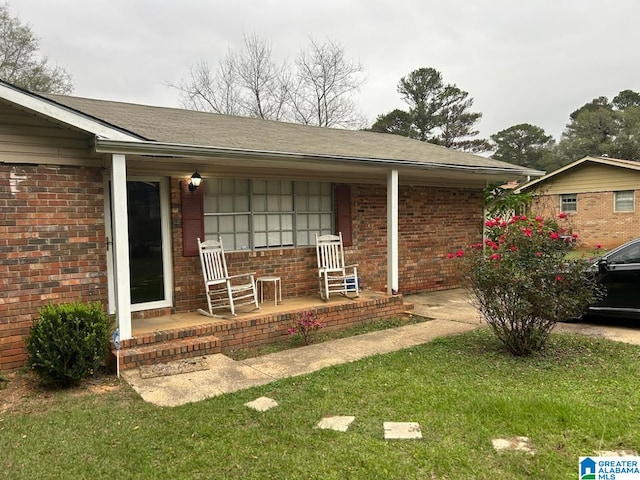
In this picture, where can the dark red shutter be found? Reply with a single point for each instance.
(343, 213)
(192, 219)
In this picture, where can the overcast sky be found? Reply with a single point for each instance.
(522, 61)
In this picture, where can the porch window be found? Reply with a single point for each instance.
(624, 201)
(258, 214)
(569, 203)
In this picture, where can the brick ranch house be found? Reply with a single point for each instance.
(599, 196)
(95, 206)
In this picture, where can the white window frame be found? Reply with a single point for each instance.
(617, 201)
(567, 199)
(267, 214)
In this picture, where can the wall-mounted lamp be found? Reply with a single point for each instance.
(195, 181)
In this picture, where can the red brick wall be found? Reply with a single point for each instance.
(594, 221)
(52, 246)
(432, 223)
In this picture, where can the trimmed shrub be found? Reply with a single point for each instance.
(68, 342)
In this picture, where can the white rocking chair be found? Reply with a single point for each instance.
(332, 272)
(224, 290)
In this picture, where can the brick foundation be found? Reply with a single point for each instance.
(221, 336)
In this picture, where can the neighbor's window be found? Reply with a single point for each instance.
(256, 214)
(569, 203)
(624, 201)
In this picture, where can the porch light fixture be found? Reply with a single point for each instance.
(195, 181)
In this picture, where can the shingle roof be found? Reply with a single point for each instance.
(179, 126)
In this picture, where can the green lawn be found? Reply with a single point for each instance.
(463, 391)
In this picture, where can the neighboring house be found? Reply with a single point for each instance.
(599, 196)
(96, 205)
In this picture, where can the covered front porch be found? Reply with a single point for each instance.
(188, 335)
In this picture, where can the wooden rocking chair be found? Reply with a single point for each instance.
(333, 275)
(224, 290)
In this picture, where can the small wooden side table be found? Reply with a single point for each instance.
(277, 288)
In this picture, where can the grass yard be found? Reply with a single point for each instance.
(580, 397)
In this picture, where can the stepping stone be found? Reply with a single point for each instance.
(337, 423)
(513, 444)
(616, 453)
(262, 404)
(402, 431)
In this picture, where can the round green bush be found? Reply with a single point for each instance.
(68, 342)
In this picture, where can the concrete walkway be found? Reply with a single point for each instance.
(218, 374)
(224, 375)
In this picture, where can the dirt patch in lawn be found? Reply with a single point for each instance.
(22, 391)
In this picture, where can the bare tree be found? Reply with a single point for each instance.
(325, 82)
(20, 62)
(317, 89)
(246, 83)
(210, 92)
(262, 79)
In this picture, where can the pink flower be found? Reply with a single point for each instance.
(495, 256)
(538, 254)
(513, 248)
(491, 243)
(559, 278)
(574, 235)
(291, 331)
(554, 235)
(460, 253)
(527, 231)
(450, 255)
(598, 246)
(562, 215)
(539, 218)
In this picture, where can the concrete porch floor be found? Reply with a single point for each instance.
(143, 326)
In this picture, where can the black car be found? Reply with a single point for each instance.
(619, 271)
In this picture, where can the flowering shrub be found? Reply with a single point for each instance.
(522, 282)
(305, 326)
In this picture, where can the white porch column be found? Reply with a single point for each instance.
(392, 232)
(120, 244)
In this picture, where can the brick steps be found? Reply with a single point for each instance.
(222, 336)
(168, 350)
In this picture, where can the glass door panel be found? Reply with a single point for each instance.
(145, 242)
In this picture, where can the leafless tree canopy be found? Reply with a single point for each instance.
(324, 88)
(20, 63)
(316, 89)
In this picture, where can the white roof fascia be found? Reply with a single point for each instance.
(62, 114)
(170, 149)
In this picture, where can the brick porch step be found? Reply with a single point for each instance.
(134, 356)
